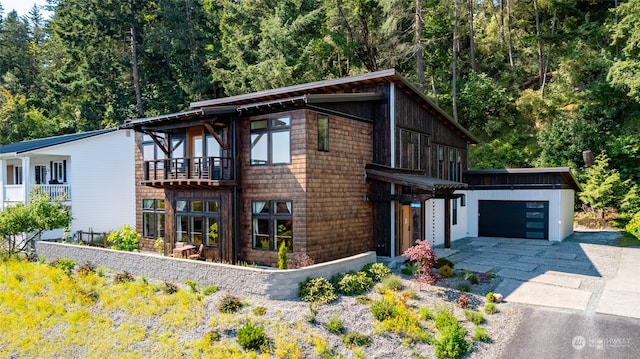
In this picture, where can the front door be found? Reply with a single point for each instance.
(195, 138)
(406, 228)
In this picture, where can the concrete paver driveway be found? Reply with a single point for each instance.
(586, 272)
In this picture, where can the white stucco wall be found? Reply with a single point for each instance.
(101, 173)
(434, 221)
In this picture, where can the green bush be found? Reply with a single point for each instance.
(354, 283)
(259, 311)
(317, 290)
(391, 282)
(212, 337)
(376, 271)
(411, 268)
(230, 304)
(210, 290)
(282, 256)
(490, 308)
(123, 277)
(481, 335)
(363, 299)
(125, 239)
(450, 343)
(384, 309)
(65, 264)
(473, 316)
(474, 279)
(633, 227)
(445, 271)
(464, 287)
(252, 337)
(490, 298)
(425, 313)
(444, 318)
(335, 325)
(193, 285)
(356, 339)
(444, 262)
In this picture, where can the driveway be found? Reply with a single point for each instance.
(586, 272)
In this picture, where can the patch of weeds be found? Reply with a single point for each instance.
(317, 290)
(442, 261)
(376, 271)
(480, 335)
(464, 287)
(252, 337)
(64, 264)
(474, 316)
(445, 271)
(193, 285)
(101, 271)
(410, 268)
(425, 313)
(313, 313)
(335, 325)
(408, 294)
(384, 308)
(170, 288)
(211, 337)
(490, 308)
(474, 279)
(123, 277)
(86, 268)
(210, 290)
(259, 311)
(444, 317)
(354, 283)
(394, 316)
(356, 339)
(391, 282)
(19, 277)
(363, 299)
(230, 304)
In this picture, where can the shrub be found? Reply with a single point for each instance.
(425, 313)
(282, 256)
(354, 283)
(411, 268)
(252, 337)
(464, 287)
(451, 343)
(473, 316)
(423, 255)
(376, 271)
(65, 264)
(480, 335)
(210, 290)
(335, 325)
(490, 298)
(391, 282)
(193, 285)
(212, 337)
(100, 271)
(408, 294)
(317, 290)
(633, 227)
(356, 339)
(474, 279)
(123, 277)
(445, 271)
(86, 268)
(170, 288)
(444, 318)
(230, 304)
(259, 311)
(384, 308)
(444, 262)
(490, 308)
(125, 239)
(299, 260)
(363, 299)
(463, 301)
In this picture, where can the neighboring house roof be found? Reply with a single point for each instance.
(31, 145)
(335, 90)
(522, 178)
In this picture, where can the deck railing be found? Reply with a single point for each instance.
(211, 168)
(15, 193)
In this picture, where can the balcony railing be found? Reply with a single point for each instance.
(196, 168)
(15, 193)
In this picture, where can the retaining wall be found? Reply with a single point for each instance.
(271, 283)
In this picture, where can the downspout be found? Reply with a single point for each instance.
(392, 161)
(236, 221)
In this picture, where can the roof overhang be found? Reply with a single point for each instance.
(418, 182)
(524, 178)
(185, 116)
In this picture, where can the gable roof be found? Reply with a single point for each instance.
(31, 145)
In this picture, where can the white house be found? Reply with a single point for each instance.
(93, 171)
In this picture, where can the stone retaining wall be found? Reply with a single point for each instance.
(271, 283)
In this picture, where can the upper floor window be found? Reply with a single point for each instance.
(413, 150)
(271, 141)
(323, 132)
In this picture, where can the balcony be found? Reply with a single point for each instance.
(185, 173)
(15, 193)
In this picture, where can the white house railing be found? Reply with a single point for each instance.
(55, 191)
(14, 193)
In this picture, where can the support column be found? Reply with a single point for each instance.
(26, 175)
(447, 222)
(3, 182)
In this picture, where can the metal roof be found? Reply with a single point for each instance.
(564, 172)
(31, 145)
(413, 180)
(180, 115)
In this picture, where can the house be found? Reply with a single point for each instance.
(92, 171)
(330, 168)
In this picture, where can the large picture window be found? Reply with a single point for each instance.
(272, 225)
(153, 218)
(197, 221)
(271, 141)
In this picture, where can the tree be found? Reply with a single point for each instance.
(603, 188)
(625, 71)
(22, 224)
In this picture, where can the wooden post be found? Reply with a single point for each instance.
(447, 222)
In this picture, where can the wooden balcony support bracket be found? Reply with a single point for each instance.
(156, 140)
(215, 135)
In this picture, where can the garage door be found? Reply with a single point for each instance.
(514, 219)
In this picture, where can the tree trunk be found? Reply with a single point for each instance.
(540, 65)
(419, 54)
(472, 45)
(454, 94)
(546, 63)
(433, 88)
(511, 59)
(134, 64)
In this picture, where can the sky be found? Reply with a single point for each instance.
(21, 6)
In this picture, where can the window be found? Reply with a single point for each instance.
(271, 141)
(151, 152)
(452, 164)
(463, 201)
(41, 174)
(272, 224)
(323, 132)
(197, 221)
(17, 175)
(413, 150)
(58, 172)
(441, 162)
(454, 210)
(153, 218)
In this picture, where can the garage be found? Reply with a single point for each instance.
(514, 219)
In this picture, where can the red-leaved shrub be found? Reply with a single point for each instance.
(422, 254)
